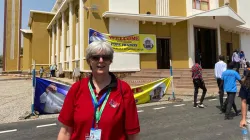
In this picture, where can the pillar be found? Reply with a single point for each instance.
(71, 12)
(81, 37)
(53, 45)
(63, 40)
(57, 42)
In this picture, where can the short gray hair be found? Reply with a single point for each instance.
(98, 46)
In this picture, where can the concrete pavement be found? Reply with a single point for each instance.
(178, 121)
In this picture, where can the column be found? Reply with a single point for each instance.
(71, 12)
(63, 40)
(81, 37)
(191, 45)
(57, 42)
(53, 45)
(50, 45)
(219, 41)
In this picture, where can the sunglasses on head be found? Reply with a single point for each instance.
(104, 57)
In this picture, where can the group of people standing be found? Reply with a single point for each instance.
(227, 76)
(239, 59)
(227, 79)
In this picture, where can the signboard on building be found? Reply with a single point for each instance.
(137, 43)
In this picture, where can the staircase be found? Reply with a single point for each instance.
(182, 78)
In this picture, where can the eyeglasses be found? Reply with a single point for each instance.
(104, 57)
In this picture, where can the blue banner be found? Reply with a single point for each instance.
(96, 36)
(49, 96)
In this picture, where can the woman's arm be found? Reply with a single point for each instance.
(132, 125)
(133, 137)
(243, 121)
(64, 133)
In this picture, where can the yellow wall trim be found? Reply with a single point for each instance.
(177, 8)
(147, 6)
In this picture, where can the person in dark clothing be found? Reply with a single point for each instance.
(244, 94)
(229, 78)
(247, 69)
(198, 56)
(198, 83)
(245, 73)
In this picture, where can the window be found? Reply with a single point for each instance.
(201, 5)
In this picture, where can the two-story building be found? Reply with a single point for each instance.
(183, 28)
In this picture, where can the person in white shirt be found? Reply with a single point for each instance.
(236, 60)
(219, 68)
(52, 99)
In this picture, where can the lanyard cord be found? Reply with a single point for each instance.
(97, 110)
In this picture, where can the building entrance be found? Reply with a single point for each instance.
(205, 47)
(163, 53)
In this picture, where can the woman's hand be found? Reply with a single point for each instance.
(133, 137)
(243, 123)
(65, 133)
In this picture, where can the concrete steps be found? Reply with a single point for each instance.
(182, 77)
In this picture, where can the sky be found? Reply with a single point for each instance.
(41, 5)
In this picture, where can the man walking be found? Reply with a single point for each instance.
(229, 78)
(41, 72)
(219, 68)
(236, 60)
(198, 83)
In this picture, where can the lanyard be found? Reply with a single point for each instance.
(104, 99)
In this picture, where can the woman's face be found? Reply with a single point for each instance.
(100, 63)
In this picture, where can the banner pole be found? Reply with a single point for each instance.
(172, 79)
(33, 86)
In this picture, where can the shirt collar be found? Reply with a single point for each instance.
(112, 84)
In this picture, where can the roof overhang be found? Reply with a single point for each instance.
(239, 29)
(224, 16)
(35, 11)
(56, 5)
(144, 17)
(62, 8)
(27, 31)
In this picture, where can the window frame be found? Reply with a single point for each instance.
(195, 6)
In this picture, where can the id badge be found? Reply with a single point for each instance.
(95, 134)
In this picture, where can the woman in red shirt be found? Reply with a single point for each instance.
(100, 107)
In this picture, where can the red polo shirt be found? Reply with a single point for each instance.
(119, 117)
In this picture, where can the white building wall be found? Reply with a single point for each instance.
(124, 6)
(243, 8)
(124, 61)
(245, 45)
